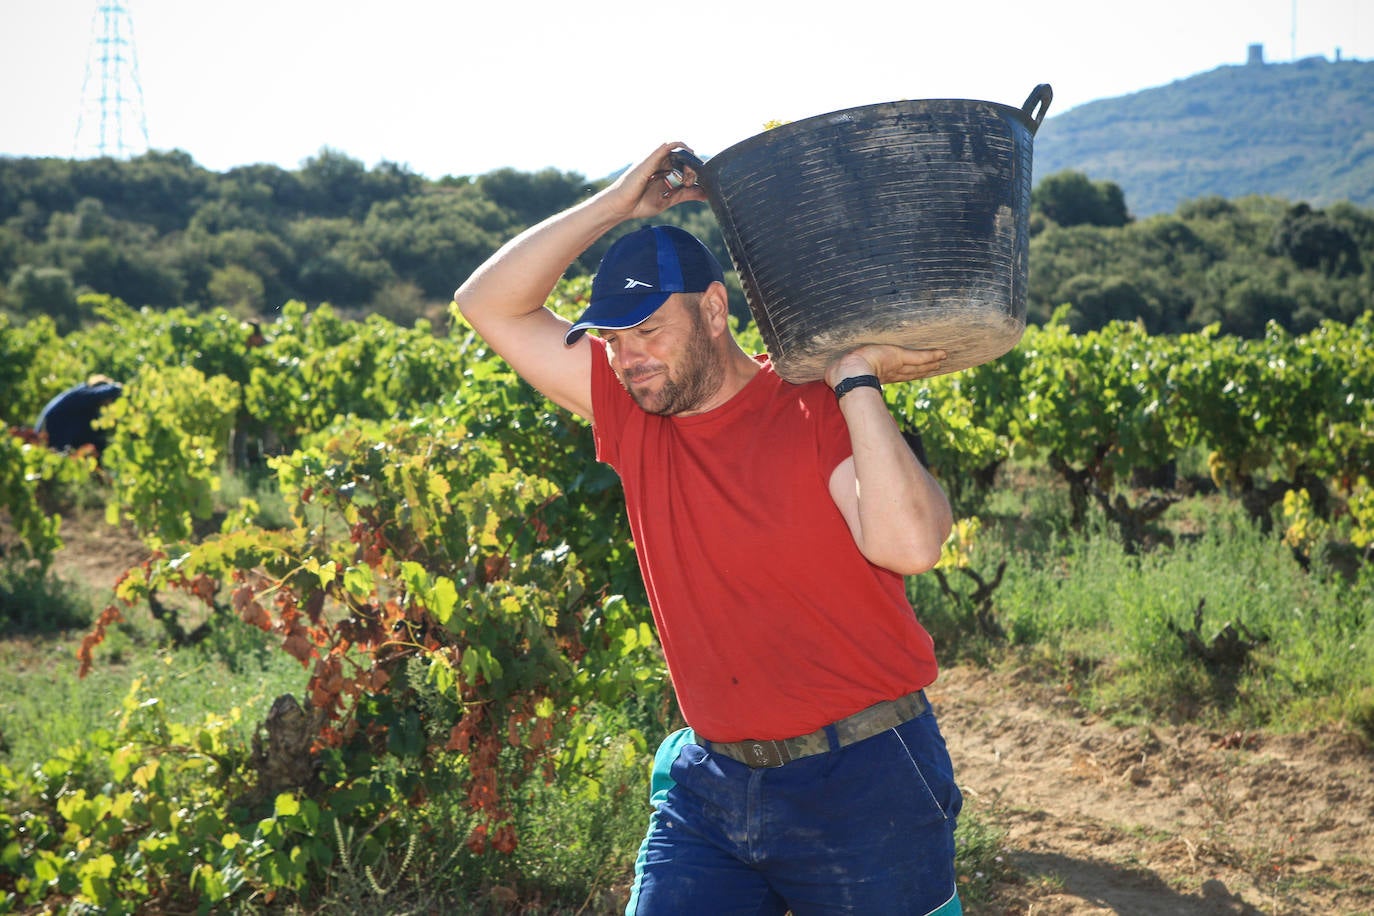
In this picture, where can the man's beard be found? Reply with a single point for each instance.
(698, 377)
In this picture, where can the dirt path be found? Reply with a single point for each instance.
(1150, 821)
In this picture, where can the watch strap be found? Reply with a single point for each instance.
(857, 381)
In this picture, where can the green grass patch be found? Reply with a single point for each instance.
(34, 602)
(255, 483)
(1225, 626)
(44, 706)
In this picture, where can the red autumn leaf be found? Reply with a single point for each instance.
(314, 605)
(330, 670)
(299, 646)
(375, 551)
(459, 738)
(482, 794)
(256, 615)
(494, 568)
(240, 597)
(477, 840)
(504, 840)
(95, 637)
(350, 688)
(321, 697)
(377, 679)
(204, 588)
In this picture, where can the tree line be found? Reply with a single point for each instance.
(1238, 264)
(160, 231)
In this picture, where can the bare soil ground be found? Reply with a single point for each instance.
(1160, 820)
(95, 554)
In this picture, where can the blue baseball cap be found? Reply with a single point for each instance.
(638, 274)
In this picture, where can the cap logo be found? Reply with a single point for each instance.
(631, 283)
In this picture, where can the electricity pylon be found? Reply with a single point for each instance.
(112, 121)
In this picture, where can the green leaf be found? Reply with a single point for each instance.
(359, 582)
(122, 762)
(95, 878)
(441, 674)
(415, 577)
(286, 805)
(442, 599)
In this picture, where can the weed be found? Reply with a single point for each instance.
(979, 852)
(256, 486)
(1221, 802)
(34, 602)
(377, 879)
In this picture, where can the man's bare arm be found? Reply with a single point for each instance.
(899, 515)
(504, 299)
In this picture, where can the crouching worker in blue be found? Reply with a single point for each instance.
(68, 419)
(774, 524)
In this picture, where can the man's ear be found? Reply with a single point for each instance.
(715, 308)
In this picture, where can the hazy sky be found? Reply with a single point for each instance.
(461, 88)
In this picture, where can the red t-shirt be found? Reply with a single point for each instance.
(772, 621)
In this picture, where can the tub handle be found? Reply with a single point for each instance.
(1040, 96)
(681, 157)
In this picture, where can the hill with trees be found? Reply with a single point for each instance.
(1239, 264)
(1301, 131)
(159, 231)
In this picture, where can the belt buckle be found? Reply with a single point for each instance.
(766, 753)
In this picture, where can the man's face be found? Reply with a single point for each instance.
(668, 362)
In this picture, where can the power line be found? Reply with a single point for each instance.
(111, 93)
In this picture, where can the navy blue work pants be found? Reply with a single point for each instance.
(866, 829)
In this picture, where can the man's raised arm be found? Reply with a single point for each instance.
(504, 299)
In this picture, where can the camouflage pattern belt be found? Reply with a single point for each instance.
(850, 730)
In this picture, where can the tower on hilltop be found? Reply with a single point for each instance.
(111, 121)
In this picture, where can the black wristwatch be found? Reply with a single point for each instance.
(857, 381)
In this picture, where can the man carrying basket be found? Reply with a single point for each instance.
(773, 525)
